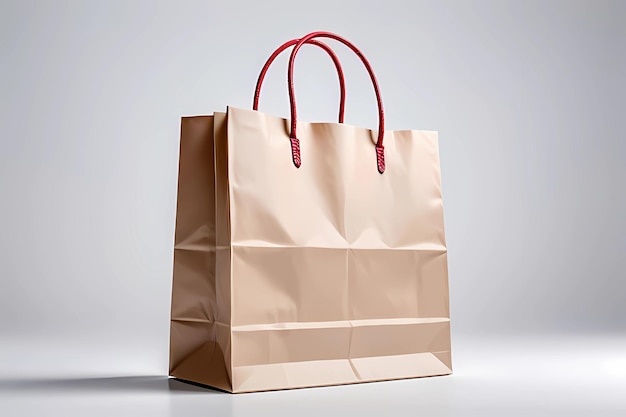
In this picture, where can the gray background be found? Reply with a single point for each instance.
(527, 96)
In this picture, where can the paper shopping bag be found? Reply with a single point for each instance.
(322, 260)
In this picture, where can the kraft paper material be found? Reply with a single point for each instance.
(327, 274)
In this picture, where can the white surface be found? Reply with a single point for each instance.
(526, 376)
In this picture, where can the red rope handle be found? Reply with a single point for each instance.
(329, 51)
(295, 143)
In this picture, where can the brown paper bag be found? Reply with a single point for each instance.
(307, 254)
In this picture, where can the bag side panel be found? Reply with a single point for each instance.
(195, 352)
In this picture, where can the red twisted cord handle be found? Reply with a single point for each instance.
(295, 143)
(329, 51)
